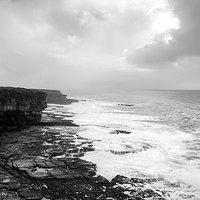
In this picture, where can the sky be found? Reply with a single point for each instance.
(107, 44)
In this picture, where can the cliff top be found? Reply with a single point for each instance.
(56, 97)
(21, 99)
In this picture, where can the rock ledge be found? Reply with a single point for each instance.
(20, 107)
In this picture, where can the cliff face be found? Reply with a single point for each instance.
(19, 107)
(55, 96)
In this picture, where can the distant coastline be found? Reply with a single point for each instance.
(57, 97)
(20, 107)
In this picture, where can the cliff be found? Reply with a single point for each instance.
(20, 107)
(55, 96)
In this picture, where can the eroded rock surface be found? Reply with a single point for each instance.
(55, 96)
(127, 105)
(120, 132)
(44, 163)
(20, 107)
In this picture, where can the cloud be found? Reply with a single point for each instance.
(77, 44)
(184, 41)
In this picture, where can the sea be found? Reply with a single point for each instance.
(161, 138)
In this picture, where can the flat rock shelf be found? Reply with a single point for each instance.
(44, 162)
(40, 154)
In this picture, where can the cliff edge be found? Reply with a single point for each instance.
(56, 97)
(20, 107)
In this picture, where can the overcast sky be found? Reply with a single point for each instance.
(114, 44)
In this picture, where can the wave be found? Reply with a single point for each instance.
(153, 149)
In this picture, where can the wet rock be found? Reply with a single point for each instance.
(120, 132)
(9, 195)
(32, 192)
(135, 188)
(127, 105)
(56, 123)
(49, 163)
(14, 184)
(120, 152)
(23, 164)
(37, 172)
(5, 177)
(44, 162)
(3, 186)
(63, 173)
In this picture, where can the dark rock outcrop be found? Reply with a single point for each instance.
(127, 105)
(53, 116)
(120, 132)
(20, 107)
(45, 163)
(55, 96)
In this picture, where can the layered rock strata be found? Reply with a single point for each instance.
(44, 163)
(56, 97)
(20, 107)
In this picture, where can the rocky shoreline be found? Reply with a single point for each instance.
(44, 162)
(20, 107)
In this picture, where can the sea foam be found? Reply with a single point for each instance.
(152, 149)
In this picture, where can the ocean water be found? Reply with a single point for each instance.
(164, 139)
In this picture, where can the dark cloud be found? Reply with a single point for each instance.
(185, 42)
